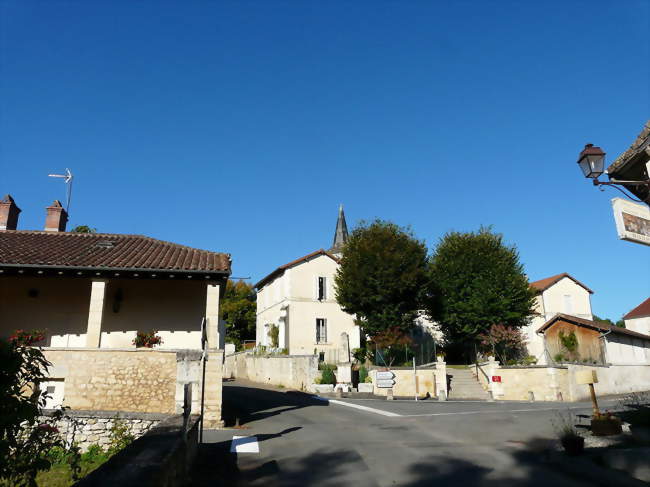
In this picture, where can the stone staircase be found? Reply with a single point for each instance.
(464, 385)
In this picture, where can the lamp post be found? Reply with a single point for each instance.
(592, 162)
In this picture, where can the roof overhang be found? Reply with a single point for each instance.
(111, 272)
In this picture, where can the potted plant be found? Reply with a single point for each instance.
(145, 339)
(571, 441)
(605, 424)
(366, 385)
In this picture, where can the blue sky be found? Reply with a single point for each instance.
(241, 126)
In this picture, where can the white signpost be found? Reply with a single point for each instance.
(385, 379)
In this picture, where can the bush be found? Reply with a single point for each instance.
(328, 376)
(363, 374)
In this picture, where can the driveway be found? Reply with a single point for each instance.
(289, 438)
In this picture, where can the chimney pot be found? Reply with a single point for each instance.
(8, 213)
(56, 218)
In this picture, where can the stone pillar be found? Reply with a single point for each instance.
(95, 312)
(441, 379)
(212, 314)
(213, 391)
(492, 369)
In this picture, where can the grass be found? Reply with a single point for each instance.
(60, 474)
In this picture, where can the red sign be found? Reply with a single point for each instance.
(496, 378)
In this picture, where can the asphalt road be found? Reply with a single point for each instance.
(304, 441)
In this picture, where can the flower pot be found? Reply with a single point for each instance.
(573, 445)
(606, 427)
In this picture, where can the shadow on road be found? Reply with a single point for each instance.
(243, 404)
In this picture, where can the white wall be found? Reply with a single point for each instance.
(640, 325)
(621, 349)
(296, 290)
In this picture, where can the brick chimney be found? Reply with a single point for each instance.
(56, 218)
(8, 213)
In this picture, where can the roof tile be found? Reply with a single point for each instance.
(69, 249)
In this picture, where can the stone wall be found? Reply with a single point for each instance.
(559, 383)
(135, 380)
(94, 427)
(162, 457)
(293, 371)
(613, 379)
(405, 383)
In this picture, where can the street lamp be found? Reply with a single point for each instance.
(592, 162)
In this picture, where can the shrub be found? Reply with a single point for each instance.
(274, 334)
(363, 374)
(558, 357)
(120, 437)
(328, 376)
(24, 441)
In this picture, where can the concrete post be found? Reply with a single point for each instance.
(95, 312)
(441, 379)
(212, 315)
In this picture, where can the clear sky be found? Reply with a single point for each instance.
(241, 126)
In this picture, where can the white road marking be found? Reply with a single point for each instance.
(244, 444)
(492, 412)
(358, 406)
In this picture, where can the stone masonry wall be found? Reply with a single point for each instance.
(106, 380)
(293, 371)
(94, 427)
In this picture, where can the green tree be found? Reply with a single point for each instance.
(238, 309)
(477, 281)
(619, 323)
(381, 276)
(84, 229)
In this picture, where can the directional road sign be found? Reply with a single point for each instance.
(385, 375)
(385, 383)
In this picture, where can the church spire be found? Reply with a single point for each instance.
(340, 234)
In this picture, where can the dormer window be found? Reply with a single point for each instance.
(322, 289)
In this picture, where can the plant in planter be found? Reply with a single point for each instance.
(605, 424)
(571, 441)
(145, 339)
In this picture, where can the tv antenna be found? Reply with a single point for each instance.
(67, 179)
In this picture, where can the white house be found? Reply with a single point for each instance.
(561, 293)
(299, 298)
(639, 318)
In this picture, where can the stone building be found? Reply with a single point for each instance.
(299, 298)
(561, 293)
(91, 293)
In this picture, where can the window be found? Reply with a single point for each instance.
(322, 289)
(321, 330)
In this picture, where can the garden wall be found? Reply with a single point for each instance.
(94, 427)
(613, 379)
(405, 382)
(559, 383)
(134, 380)
(292, 371)
(162, 457)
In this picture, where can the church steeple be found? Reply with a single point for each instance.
(340, 234)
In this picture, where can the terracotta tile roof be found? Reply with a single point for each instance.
(105, 251)
(640, 311)
(595, 325)
(544, 284)
(637, 147)
(284, 267)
